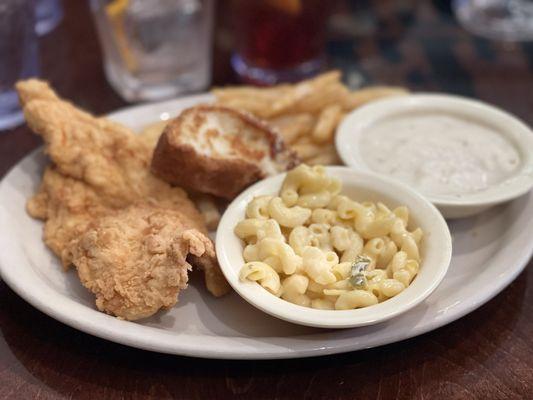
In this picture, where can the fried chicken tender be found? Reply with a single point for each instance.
(105, 155)
(101, 168)
(135, 261)
(68, 206)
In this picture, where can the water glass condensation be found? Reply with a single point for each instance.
(509, 20)
(18, 56)
(155, 49)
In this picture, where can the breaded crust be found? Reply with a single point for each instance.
(101, 168)
(179, 163)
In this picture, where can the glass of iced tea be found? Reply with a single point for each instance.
(279, 40)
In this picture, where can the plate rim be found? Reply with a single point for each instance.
(245, 352)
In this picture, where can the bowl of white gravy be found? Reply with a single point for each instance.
(461, 154)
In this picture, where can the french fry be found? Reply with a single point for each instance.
(307, 150)
(307, 113)
(332, 94)
(328, 156)
(258, 101)
(232, 92)
(287, 101)
(254, 106)
(304, 140)
(302, 90)
(365, 95)
(323, 79)
(326, 124)
(293, 126)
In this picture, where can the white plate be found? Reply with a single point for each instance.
(490, 250)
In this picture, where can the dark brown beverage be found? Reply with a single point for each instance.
(279, 37)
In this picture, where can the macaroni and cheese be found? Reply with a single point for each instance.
(316, 248)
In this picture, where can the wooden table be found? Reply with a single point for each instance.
(487, 354)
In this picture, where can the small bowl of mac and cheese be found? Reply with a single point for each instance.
(332, 247)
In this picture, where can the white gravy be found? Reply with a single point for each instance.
(441, 154)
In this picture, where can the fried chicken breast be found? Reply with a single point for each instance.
(67, 206)
(100, 175)
(135, 261)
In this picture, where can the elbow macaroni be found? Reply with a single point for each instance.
(262, 273)
(302, 245)
(258, 208)
(290, 217)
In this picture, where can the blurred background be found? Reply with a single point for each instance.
(103, 54)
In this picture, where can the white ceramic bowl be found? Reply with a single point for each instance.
(355, 125)
(436, 251)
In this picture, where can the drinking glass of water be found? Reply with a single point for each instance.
(18, 56)
(155, 49)
(509, 20)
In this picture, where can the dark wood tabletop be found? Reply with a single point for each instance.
(487, 354)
